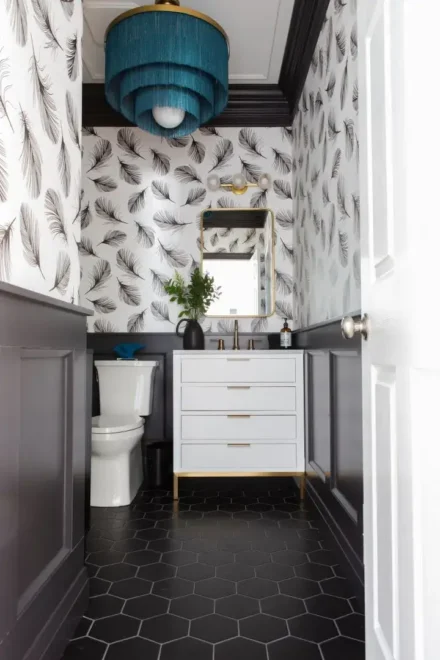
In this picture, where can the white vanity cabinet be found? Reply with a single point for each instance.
(238, 413)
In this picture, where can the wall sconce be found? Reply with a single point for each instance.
(239, 184)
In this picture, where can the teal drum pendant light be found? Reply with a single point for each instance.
(166, 68)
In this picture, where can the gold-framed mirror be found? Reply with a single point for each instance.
(238, 249)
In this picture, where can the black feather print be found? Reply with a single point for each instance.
(4, 182)
(103, 305)
(349, 138)
(5, 70)
(72, 58)
(283, 283)
(285, 219)
(44, 98)
(223, 152)
(286, 251)
(179, 143)
(259, 324)
(332, 228)
(318, 102)
(226, 203)
(341, 197)
(5, 250)
(312, 104)
(160, 311)
(354, 42)
(99, 276)
(137, 201)
(287, 134)
(161, 191)
(344, 86)
(304, 102)
(62, 274)
(312, 140)
(72, 120)
(307, 170)
(321, 127)
(129, 173)
(168, 222)
(336, 163)
(339, 6)
(331, 84)
(197, 151)
(68, 7)
(324, 153)
(233, 246)
(321, 62)
(30, 237)
(225, 232)
(355, 96)
(161, 162)
(310, 202)
(323, 234)
(187, 174)
(86, 216)
(225, 326)
(306, 136)
(250, 142)
(129, 293)
(282, 189)
(209, 131)
(250, 236)
(128, 263)
(249, 170)
(325, 194)
(101, 154)
(356, 215)
(343, 248)
(102, 325)
(282, 162)
(332, 129)
(284, 310)
(85, 247)
(174, 257)
(136, 322)
(55, 216)
(341, 44)
(259, 200)
(30, 158)
(144, 235)
(105, 209)
(64, 167)
(114, 238)
(195, 196)
(18, 19)
(214, 239)
(329, 43)
(158, 281)
(314, 62)
(357, 268)
(89, 131)
(226, 180)
(314, 179)
(316, 222)
(129, 143)
(43, 19)
(104, 183)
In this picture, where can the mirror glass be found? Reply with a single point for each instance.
(237, 248)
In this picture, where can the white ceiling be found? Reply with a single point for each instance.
(257, 31)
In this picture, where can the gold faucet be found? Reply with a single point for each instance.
(236, 345)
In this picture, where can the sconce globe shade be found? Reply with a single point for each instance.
(168, 117)
(265, 181)
(213, 182)
(239, 181)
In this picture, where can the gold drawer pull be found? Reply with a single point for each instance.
(238, 416)
(239, 444)
(239, 387)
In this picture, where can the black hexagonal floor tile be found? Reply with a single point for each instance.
(329, 606)
(137, 525)
(239, 648)
(145, 607)
(187, 647)
(237, 607)
(117, 534)
(105, 558)
(154, 572)
(200, 545)
(231, 508)
(95, 545)
(173, 588)
(235, 572)
(301, 545)
(215, 588)
(289, 557)
(352, 625)
(268, 545)
(192, 607)
(325, 557)
(257, 588)
(115, 628)
(313, 534)
(263, 628)
(129, 545)
(247, 515)
(164, 628)
(86, 649)
(275, 572)
(217, 558)
(290, 647)
(158, 515)
(342, 647)
(142, 557)
(252, 557)
(259, 507)
(130, 588)
(165, 545)
(214, 628)
(233, 545)
(98, 587)
(135, 648)
(299, 587)
(337, 587)
(151, 534)
(196, 572)
(117, 572)
(102, 606)
(82, 628)
(285, 607)
(179, 558)
(312, 628)
(314, 571)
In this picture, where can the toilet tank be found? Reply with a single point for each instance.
(126, 386)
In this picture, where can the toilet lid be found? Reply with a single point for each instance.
(116, 423)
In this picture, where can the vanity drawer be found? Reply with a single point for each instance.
(239, 370)
(238, 457)
(234, 397)
(239, 428)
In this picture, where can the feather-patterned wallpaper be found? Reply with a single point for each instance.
(326, 175)
(40, 145)
(140, 218)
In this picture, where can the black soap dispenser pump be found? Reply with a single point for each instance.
(286, 336)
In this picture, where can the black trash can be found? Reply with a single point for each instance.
(159, 464)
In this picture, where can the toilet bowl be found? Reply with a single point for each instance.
(125, 395)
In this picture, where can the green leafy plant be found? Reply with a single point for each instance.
(194, 297)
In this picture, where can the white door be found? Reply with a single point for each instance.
(400, 195)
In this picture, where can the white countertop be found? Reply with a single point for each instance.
(242, 353)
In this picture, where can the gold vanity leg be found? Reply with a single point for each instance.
(302, 491)
(175, 487)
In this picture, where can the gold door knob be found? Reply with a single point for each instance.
(355, 326)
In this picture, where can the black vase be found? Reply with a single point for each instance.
(193, 337)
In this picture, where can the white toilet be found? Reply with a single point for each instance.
(125, 395)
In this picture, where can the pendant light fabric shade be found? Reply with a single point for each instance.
(166, 56)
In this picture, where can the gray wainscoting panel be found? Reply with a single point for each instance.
(43, 462)
(318, 413)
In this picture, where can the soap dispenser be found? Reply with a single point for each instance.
(285, 336)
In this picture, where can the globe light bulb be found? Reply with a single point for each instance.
(213, 182)
(265, 181)
(168, 117)
(239, 181)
